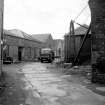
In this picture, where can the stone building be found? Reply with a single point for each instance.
(20, 46)
(46, 39)
(59, 47)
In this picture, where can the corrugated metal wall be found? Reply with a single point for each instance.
(72, 46)
(69, 48)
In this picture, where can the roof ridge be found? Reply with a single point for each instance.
(22, 34)
(41, 37)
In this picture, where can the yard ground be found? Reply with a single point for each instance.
(43, 84)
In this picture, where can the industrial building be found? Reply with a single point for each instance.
(46, 39)
(20, 46)
(59, 47)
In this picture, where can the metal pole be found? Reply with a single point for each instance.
(1, 45)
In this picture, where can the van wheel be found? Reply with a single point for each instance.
(41, 61)
(93, 79)
(50, 61)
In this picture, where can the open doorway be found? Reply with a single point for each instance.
(20, 49)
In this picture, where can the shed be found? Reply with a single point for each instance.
(73, 44)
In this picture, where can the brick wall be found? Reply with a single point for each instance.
(97, 8)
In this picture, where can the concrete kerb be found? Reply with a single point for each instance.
(2, 83)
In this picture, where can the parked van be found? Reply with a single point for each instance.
(47, 54)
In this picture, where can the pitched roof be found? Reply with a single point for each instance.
(7, 32)
(41, 37)
(81, 30)
(57, 41)
(17, 33)
(21, 34)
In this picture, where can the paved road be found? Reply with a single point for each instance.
(49, 87)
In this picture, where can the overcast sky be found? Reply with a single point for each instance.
(44, 16)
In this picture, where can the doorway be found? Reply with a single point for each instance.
(20, 49)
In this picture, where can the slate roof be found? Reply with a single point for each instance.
(81, 30)
(21, 34)
(17, 33)
(7, 32)
(41, 37)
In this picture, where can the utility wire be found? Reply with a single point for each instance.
(80, 12)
